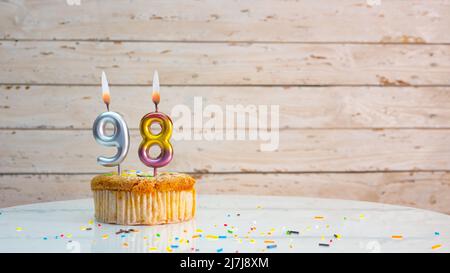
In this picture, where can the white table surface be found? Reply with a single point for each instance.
(250, 224)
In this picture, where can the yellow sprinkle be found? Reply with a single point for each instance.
(361, 216)
(145, 237)
(69, 235)
(195, 236)
(18, 229)
(152, 248)
(82, 228)
(258, 207)
(397, 237)
(125, 244)
(105, 236)
(319, 217)
(199, 230)
(436, 246)
(269, 241)
(252, 241)
(322, 238)
(169, 249)
(212, 237)
(181, 241)
(91, 222)
(338, 236)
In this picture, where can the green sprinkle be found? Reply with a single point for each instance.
(158, 235)
(230, 231)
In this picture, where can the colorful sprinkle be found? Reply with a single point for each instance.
(269, 241)
(319, 217)
(19, 229)
(397, 237)
(436, 246)
(437, 233)
(174, 246)
(212, 237)
(105, 236)
(322, 244)
(219, 250)
(271, 246)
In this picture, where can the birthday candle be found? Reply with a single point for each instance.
(162, 139)
(121, 136)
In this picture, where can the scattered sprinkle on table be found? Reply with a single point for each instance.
(269, 241)
(338, 236)
(105, 236)
(214, 237)
(219, 250)
(19, 229)
(399, 237)
(289, 232)
(437, 233)
(319, 217)
(322, 244)
(436, 246)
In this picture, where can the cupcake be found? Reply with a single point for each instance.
(138, 199)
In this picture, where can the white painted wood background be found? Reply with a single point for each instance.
(363, 91)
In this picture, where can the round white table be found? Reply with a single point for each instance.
(226, 223)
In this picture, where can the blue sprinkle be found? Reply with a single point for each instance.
(176, 238)
(219, 250)
(437, 233)
(56, 237)
(123, 235)
(271, 246)
(222, 237)
(45, 238)
(174, 246)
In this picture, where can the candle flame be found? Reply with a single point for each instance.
(155, 95)
(105, 89)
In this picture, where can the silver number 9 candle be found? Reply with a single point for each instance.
(120, 138)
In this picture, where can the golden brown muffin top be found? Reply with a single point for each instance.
(143, 184)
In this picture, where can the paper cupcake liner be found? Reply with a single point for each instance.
(130, 208)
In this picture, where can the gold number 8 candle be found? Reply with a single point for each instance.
(120, 138)
(162, 139)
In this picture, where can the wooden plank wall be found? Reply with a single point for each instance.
(363, 88)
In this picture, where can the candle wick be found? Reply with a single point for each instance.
(119, 171)
(155, 172)
(107, 107)
(156, 107)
